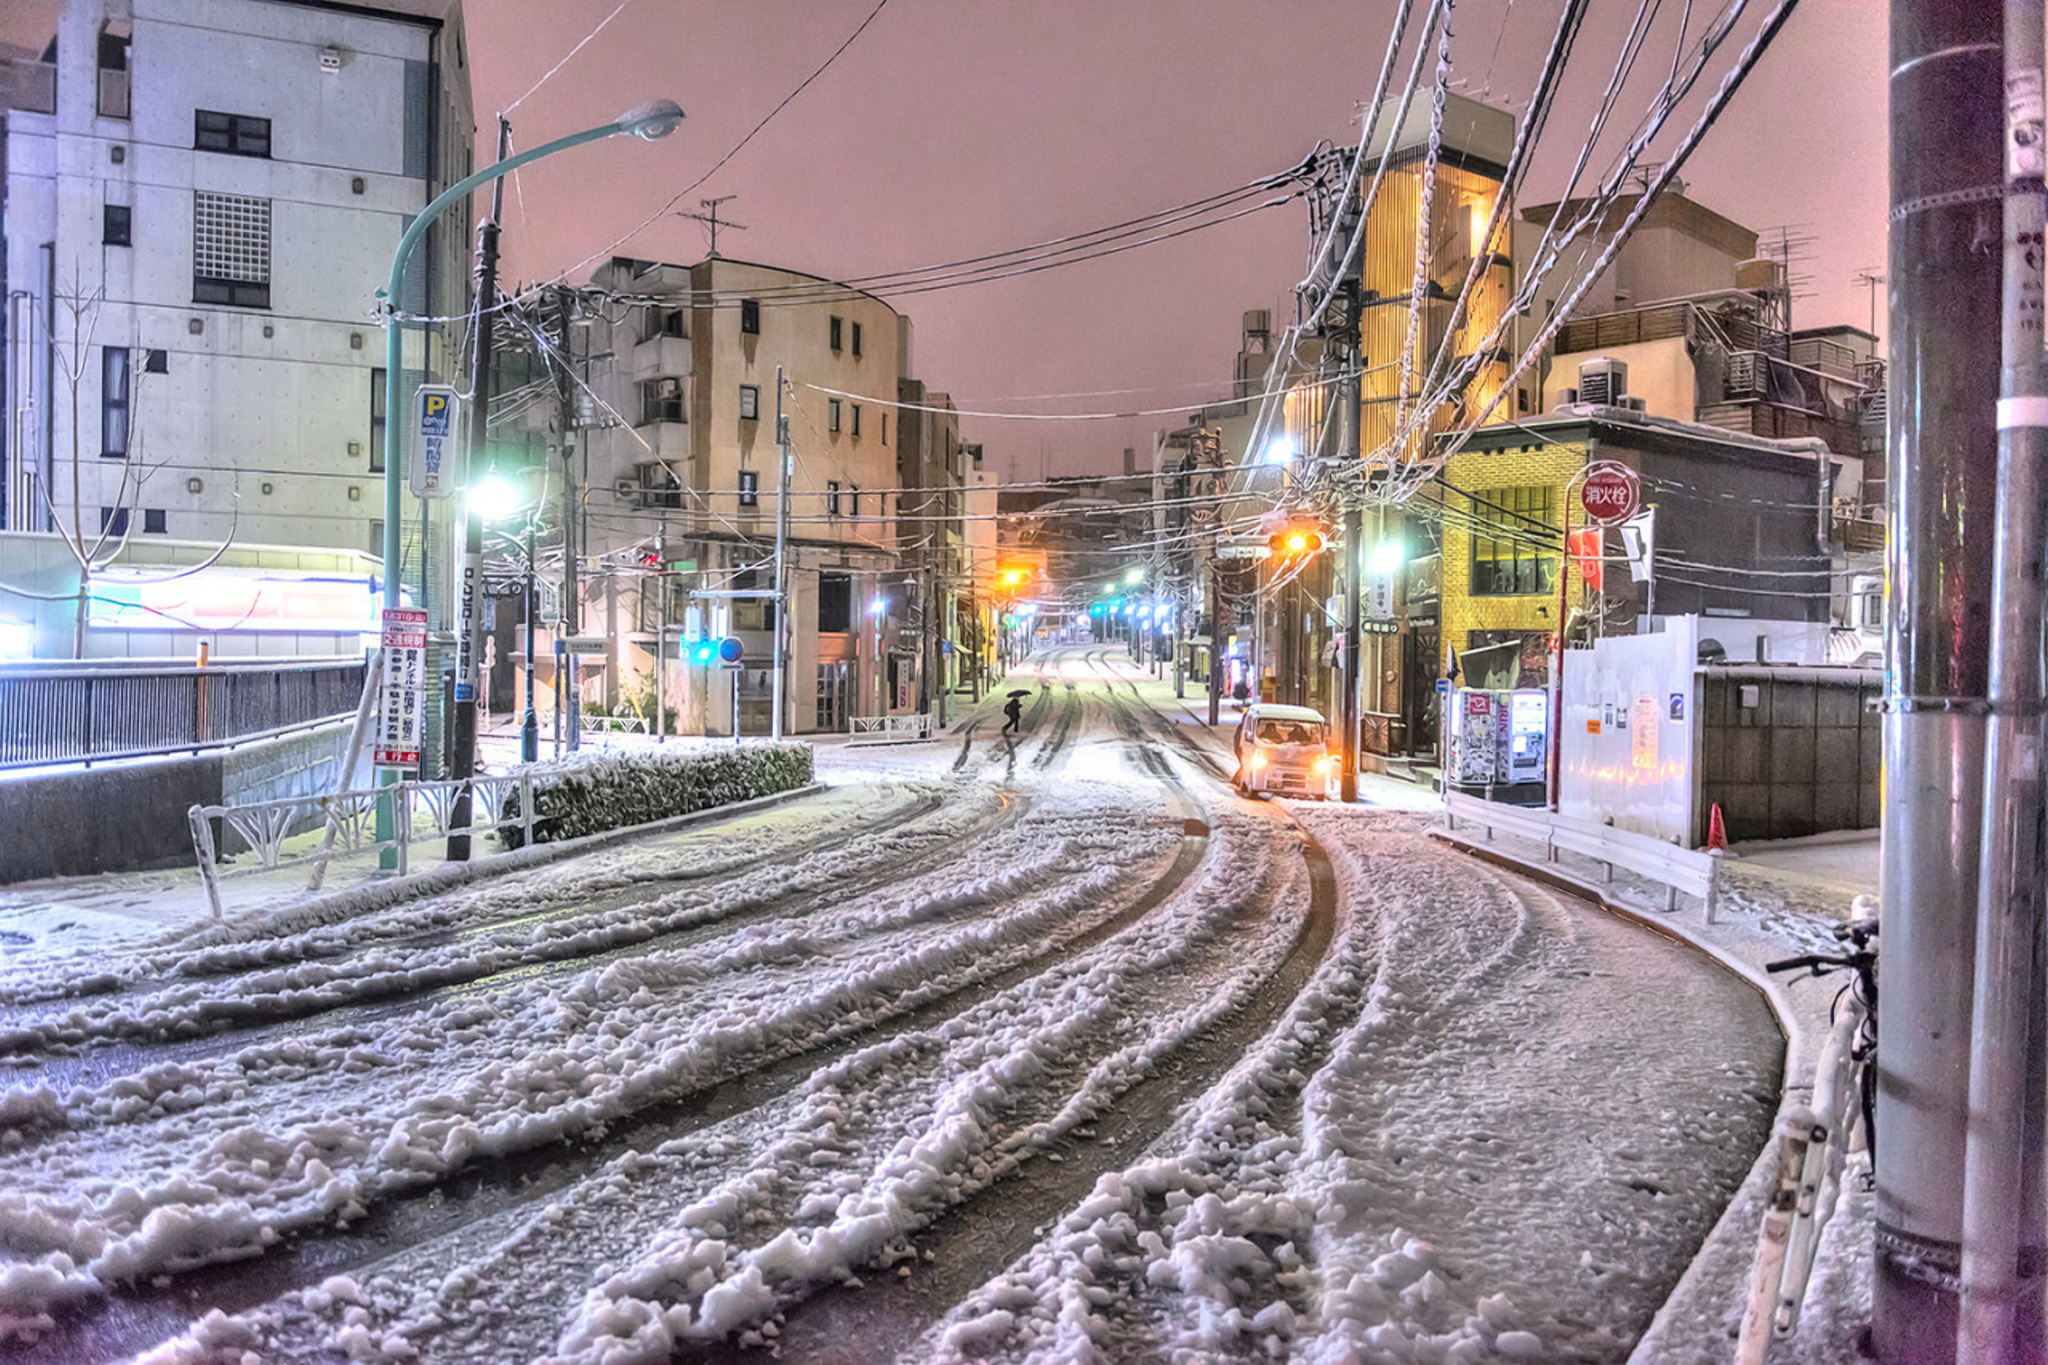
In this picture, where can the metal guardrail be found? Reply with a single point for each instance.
(896, 727)
(622, 725)
(421, 813)
(80, 713)
(1677, 869)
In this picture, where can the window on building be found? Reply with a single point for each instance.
(856, 500)
(661, 400)
(832, 497)
(116, 390)
(112, 99)
(659, 485)
(750, 317)
(885, 428)
(838, 327)
(377, 424)
(156, 362)
(1514, 541)
(856, 338)
(856, 419)
(376, 545)
(230, 250)
(835, 603)
(750, 488)
(114, 521)
(235, 134)
(666, 322)
(115, 225)
(750, 402)
(153, 521)
(832, 414)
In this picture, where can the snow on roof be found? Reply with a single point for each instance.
(1273, 711)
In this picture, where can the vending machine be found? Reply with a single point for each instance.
(1500, 743)
(1528, 739)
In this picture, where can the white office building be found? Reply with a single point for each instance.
(201, 200)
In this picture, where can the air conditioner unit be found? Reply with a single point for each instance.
(1603, 381)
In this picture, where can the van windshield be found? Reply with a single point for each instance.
(1289, 732)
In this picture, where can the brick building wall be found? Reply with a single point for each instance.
(1465, 614)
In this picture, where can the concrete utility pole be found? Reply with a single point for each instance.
(2003, 1234)
(1350, 488)
(1947, 131)
(781, 563)
(1214, 448)
(567, 689)
(469, 616)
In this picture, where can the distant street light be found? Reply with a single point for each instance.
(1135, 576)
(1387, 557)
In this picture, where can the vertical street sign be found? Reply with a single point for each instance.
(433, 472)
(403, 690)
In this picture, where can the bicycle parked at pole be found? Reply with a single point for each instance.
(1814, 1139)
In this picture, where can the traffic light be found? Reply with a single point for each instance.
(704, 651)
(1296, 542)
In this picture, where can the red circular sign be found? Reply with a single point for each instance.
(1609, 495)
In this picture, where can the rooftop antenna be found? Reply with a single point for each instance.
(1870, 278)
(710, 216)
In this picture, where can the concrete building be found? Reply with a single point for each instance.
(201, 199)
(678, 487)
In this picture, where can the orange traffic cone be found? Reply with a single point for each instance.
(1717, 833)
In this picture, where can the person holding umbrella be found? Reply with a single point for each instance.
(1014, 710)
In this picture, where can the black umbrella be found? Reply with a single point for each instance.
(1021, 692)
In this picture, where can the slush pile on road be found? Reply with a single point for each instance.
(1045, 1050)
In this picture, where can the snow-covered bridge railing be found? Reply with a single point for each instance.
(1678, 870)
(281, 833)
(893, 727)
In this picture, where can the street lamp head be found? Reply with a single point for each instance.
(1135, 576)
(652, 121)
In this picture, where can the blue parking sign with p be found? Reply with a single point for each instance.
(431, 464)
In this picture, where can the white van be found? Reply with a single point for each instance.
(1283, 750)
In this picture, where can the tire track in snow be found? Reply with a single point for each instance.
(510, 1186)
(374, 1001)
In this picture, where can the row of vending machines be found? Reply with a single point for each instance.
(1500, 743)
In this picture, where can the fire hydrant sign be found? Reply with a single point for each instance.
(432, 470)
(401, 711)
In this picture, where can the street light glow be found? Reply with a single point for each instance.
(878, 606)
(1135, 576)
(1280, 450)
(1387, 557)
(493, 497)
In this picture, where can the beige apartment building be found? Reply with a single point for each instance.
(678, 463)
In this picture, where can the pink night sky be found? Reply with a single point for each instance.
(957, 127)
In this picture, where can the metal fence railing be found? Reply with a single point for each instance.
(280, 833)
(918, 726)
(82, 713)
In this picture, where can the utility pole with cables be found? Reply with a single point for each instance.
(781, 561)
(469, 617)
(567, 685)
(1346, 336)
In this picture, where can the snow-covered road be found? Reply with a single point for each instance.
(1046, 1049)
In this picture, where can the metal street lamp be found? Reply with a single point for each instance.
(648, 122)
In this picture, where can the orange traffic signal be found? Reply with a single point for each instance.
(1296, 542)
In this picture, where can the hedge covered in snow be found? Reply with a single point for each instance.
(587, 793)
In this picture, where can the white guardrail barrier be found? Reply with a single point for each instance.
(893, 727)
(1680, 870)
(346, 823)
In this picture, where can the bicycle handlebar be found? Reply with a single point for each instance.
(1793, 964)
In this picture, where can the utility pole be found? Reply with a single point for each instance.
(529, 725)
(1947, 125)
(1214, 446)
(469, 616)
(567, 685)
(781, 564)
(1350, 490)
(2003, 1233)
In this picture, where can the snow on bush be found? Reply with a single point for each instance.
(588, 793)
